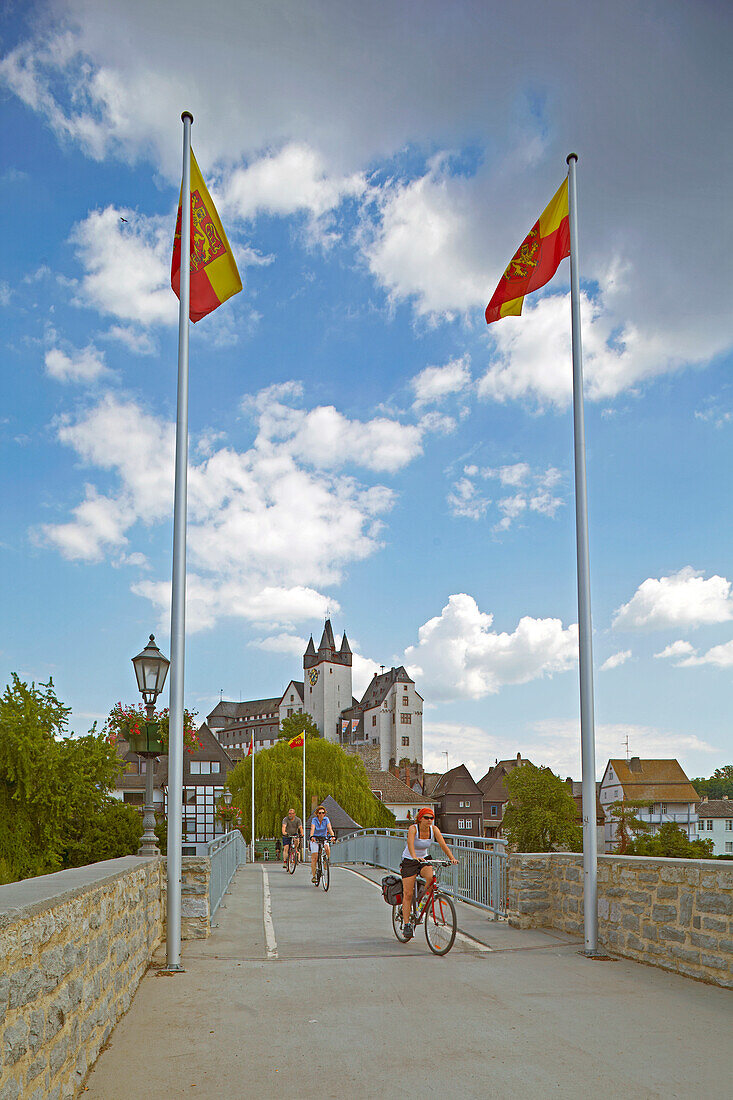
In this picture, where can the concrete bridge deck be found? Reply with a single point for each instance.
(322, 1001)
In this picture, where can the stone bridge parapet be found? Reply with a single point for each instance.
(673, 913)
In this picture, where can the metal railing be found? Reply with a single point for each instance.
(479, 878)
(225, 854)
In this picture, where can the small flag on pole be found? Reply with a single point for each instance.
(251, 747)
(214, 274)
(535, 261)
(296, 742)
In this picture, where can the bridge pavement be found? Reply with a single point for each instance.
(322, 1001)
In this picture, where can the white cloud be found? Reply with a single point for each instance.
(534, 493)
(435, 383)
(83, 365)
(293, 180)
(248, 510)
(465, 744)
(462, 658)
(289, 644)
(676, 650)
(616, 660)
(685, 655)
(127, 266)
(682, 599)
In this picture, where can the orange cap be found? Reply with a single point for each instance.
(425, 810)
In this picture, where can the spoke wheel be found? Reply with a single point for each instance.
(292, 859)
(440, 924)
(398, 923)
(325, 872)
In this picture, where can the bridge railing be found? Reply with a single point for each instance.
(479, 878)
(225, 853)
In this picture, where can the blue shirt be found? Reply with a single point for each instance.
(321, 828)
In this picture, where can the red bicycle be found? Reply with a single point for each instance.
(436, 908)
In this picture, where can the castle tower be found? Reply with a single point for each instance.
(327, 682)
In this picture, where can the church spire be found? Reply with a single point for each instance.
(345, 647)
(311, 649)
(327, 641)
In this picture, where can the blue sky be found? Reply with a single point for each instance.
(361, 443)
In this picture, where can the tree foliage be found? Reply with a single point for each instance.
(279, 785)
(541, 815)
(112, 832)
(294, 724)
(718, 785)
(672, 842)
(51, 785)
(628, 823)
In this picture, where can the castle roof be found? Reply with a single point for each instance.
(378, 689)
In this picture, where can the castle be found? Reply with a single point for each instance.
(388, 717)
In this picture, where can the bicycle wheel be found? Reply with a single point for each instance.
(440, 924)
(292, 859)
(325, 872)
(398, 923)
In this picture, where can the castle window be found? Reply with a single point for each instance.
(405, 741)
(405, 700)
(406, 719)
(374, 719)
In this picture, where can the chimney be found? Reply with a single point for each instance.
(519, 757)
(635, 764)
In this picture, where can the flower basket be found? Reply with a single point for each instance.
(145, 739)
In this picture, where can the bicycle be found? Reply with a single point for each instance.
(438, 910)
(293, 855)
(323, 864)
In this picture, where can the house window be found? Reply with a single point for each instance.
(405, 701)
(133, 798)
(664, 807)
(374, 719)
(729, 825)
(406, 719)
(405, 741)
(494, 811)
(728, 847)
(290, 711)
(215, 766)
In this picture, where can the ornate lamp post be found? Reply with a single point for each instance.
(227, 797)
(151, 669)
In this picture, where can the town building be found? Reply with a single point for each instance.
(204, 777)
(575, 786)
(715, 822)
(388, 716)
(458, 802)
(495, 795)
(396, 795)
(660, 786)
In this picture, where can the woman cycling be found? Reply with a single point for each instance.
(419, 838)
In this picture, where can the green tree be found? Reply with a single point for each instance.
(628, 823)
(672, 842)
(279, 785)
(718, 785)
(113, 831)
(50, 783)
(295, 724)
(541, 815)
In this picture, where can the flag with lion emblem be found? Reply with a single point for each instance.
(535, 261)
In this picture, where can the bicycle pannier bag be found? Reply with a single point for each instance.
(392, 889)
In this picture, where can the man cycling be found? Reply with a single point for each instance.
(320, 828)
(292, 829)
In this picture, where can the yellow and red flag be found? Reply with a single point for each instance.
(535, 261)
(251, 747)
(214, 274)
(295, 742)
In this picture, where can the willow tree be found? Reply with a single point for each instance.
(279, 785)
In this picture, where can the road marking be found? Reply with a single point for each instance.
(462, 936)
(269, 926)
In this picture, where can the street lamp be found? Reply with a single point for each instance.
(226, 795)
(151, 669)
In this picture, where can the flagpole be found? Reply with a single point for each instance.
(304, 817)
(178, 585)
(585, 630)
(253, 797)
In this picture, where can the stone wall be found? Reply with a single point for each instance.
(73, 949)
(673, 913)
(195, 915)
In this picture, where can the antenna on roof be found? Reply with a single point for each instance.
(627, 748)
(381, 668)
(445, 754)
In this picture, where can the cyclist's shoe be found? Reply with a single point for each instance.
(407, 931)
(314, 880)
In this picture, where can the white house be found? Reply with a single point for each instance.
(662, 787)
(715, 822)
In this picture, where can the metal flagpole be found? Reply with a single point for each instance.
(178, 586)
(585, 639)
(253, 796)
(304, 817)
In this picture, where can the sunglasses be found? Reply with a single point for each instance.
(321, 811)
(427, 817)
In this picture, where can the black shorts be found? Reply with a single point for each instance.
(410, 867)
(287, 841)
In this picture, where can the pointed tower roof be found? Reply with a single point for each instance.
(311, 649)
(345, 647)
(327, 640)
